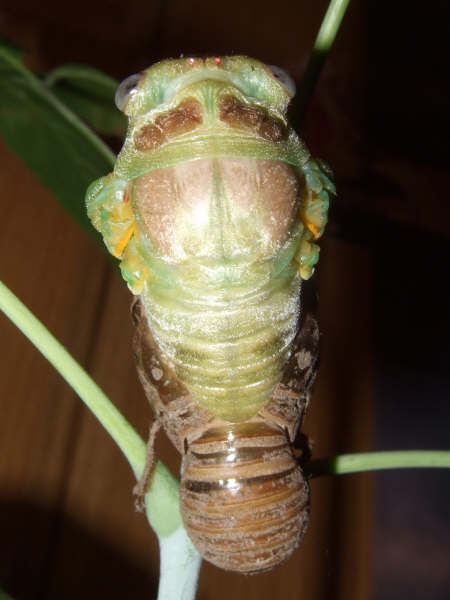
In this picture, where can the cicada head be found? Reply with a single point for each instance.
(170, 80)
(181, 108)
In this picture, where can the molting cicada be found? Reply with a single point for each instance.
(214, 208)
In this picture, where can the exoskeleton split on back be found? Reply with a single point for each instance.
(214, 208)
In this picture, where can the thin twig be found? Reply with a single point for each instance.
(371, 461)
(164, 515)
(322, 45)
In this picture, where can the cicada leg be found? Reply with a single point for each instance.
(313, 213)
(140, 488)
(109, 207)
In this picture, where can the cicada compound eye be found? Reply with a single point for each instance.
(125, 89)
(283, 77)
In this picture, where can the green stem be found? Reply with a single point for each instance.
(180, 567)
(118, 427)
(370, 461)
(324, 40)
(162, 498)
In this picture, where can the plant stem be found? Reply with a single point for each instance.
(370, 461)
(180, 566)
(162, 498)
(118, 427)
(180, 562)
(324, 40)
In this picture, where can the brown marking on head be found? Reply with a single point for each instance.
(237, 115)
(271, 129)
(148, 138)
(181, 119)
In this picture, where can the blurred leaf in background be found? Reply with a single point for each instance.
(89, 93)
(42, 125)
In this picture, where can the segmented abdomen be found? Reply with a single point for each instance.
(244, 498)
(230, 355)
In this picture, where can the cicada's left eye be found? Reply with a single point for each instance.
(283, 77)
(124, 90)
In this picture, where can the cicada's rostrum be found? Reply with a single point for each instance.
(214, 208)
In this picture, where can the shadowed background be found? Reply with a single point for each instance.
(380, 118)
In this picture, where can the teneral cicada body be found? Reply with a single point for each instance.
(214, 208)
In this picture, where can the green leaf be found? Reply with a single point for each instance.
(54, 143)
(89, 93)
(4, 595)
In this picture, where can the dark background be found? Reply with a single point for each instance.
(380, 117)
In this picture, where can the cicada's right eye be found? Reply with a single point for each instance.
(283, 77)
(125, 89)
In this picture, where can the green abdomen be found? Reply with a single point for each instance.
(229, 354)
